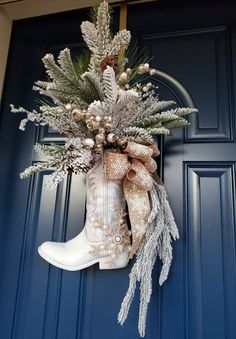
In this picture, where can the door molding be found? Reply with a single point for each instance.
(5, 35)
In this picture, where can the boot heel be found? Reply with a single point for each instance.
(108, 263)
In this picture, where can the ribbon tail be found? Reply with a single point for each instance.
(139, 211)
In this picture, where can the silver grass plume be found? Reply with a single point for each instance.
(161, 230)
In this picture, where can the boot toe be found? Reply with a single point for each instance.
(51, 251)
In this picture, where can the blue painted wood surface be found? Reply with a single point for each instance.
(195, 53)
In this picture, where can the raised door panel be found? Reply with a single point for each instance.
(210, 250)
(204, 67)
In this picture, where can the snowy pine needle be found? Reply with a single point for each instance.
(157, 243)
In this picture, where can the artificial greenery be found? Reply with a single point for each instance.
(99, 83)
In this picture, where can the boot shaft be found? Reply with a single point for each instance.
(105, 203)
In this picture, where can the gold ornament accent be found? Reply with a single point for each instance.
(60, 110)
(99, 148)
(152, 71)
(141, 69)
(68, 107)
(107, 118)
(100, 137)
(122, 141)
(77, 114)
(89, 142)
(123, 77)
(98, 118)
(111, 137)
(87, 115)
(108, 126)
(93, 125)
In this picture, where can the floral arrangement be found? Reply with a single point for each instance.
(109, 103)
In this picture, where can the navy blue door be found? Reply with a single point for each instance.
(194, 49)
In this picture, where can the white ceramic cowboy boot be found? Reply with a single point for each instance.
(105, 238)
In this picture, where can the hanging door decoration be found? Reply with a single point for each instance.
(110, 113)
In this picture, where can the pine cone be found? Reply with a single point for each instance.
(109, 61)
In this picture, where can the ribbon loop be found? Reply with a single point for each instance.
(117, 165)
(134, 167)
(138, 151)
(151, 165)
(139, 175)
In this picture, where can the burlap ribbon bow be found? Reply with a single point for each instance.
(133, 167)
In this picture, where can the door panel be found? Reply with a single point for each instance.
(194, 47)
(194, 53)
(209, 48)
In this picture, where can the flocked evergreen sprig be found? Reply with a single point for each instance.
(62, 159)
(101, 99)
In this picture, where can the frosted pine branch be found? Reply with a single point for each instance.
(55, 178)
(90, 36)
(103, 27)
(125, 98)
(158, 106)
(99, 39)
(181, 111)
(158, 130)
(67, 65)
(120, 41)
(153, 106)
(94, 83)
(55, 72)
(33, 116)
(176, 124)
(138, 135)
(41, 166)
